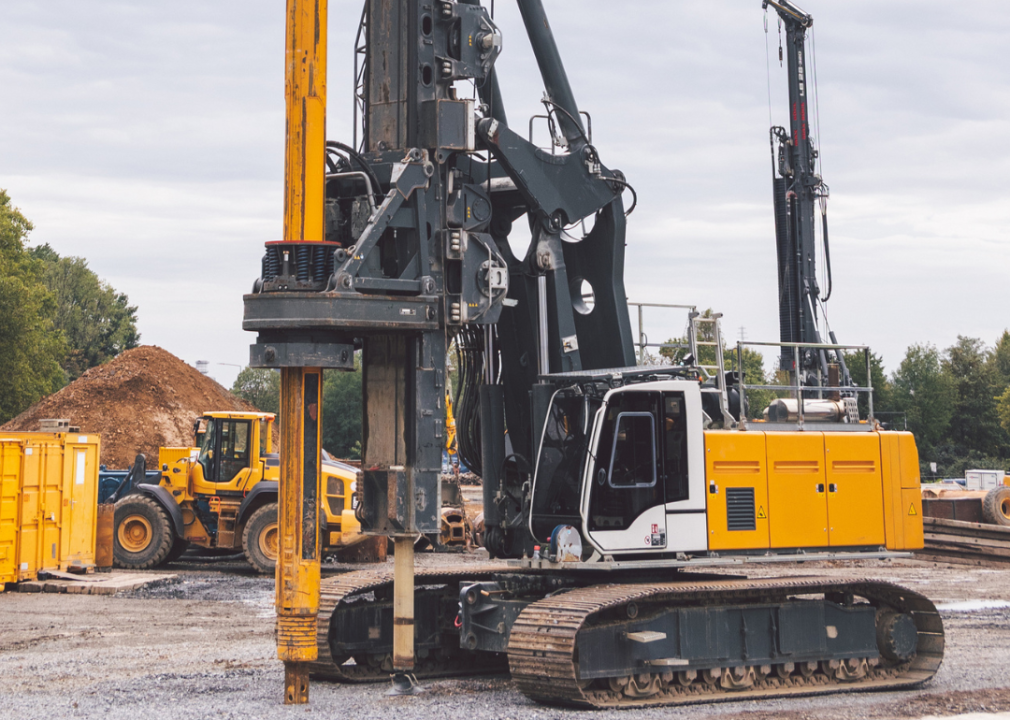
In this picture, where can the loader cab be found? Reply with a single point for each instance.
(627, 470)
(231, 446)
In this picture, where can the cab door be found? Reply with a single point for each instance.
(236, 451)
(627, 504)
(225, 456)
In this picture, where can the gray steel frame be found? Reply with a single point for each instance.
(434, 254)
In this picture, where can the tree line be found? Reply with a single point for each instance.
(57, 317)
(956, 402)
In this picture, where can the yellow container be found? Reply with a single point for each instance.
(48, 503)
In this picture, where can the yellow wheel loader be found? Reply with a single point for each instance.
(222, 494)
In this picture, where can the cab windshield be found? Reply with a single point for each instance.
(206, 457)
(557, 487)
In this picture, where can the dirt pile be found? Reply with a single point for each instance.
(143, 399)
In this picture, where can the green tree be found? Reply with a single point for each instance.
(951, 461)
(261, 387)
(342, 412)
(999, 360)
(1003, 409)
(30, 348)
(855, 361)
(974, 424)
(754, 373)
(925, 393)
(342, 404)
(98, 322)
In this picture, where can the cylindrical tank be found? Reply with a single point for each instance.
(787, 410)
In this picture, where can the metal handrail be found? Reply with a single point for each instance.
(643, 341)
(800, 389)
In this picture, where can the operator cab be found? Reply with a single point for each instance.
(627, 469)
(226, 447)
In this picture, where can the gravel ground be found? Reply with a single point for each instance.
(204, 648)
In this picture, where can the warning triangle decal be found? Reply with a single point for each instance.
(761, 512)
(911, 509)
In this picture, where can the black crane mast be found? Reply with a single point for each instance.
(797, 189)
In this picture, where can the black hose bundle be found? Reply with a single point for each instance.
(342, 158)
(470, 363)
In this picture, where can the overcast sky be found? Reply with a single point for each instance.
(148, 138)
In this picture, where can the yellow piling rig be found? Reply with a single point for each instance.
(298, 572)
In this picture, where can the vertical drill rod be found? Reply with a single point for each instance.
(403, 605)
(298, 558)
(298, 569)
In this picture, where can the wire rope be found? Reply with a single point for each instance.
(768, 70)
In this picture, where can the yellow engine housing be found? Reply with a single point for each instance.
(817, 489)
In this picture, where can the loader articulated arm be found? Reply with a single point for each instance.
(797, 190)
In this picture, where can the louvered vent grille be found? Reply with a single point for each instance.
(740, 509)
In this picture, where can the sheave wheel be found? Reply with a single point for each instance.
(144, 535)
(261, 539)
(996, 506)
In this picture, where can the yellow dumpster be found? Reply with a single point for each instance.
(48, 503)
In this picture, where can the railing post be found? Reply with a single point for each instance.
(869, 384)
(799, 389)
(740, 385)
(641, 336)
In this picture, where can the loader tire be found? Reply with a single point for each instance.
(261, 539)
(996, 506)
(178, 548)
(144, 536)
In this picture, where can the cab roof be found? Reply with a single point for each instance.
(239, 415)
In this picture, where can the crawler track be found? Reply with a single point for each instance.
(543, 648)
(340, 591)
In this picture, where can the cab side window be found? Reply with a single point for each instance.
(633, 457)
(206, 457)
(335, 495)
(674, 440)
